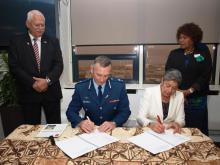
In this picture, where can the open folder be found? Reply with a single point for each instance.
(84, 143)
(155, 142)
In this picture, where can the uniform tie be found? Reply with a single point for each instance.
(100, 93)
(36, 53)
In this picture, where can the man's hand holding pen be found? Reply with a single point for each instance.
(87, 125)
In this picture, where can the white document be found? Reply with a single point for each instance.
(75, 147)
(155, 142)
(84, 143)
(54, 130)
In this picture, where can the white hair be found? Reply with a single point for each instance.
(174, 75)
(34, 12)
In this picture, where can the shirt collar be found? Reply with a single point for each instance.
(96, 85)
(32, 37)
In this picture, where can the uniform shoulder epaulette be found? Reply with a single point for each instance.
(83, 81)
(117, 80)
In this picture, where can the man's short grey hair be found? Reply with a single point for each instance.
(34, 12)
(174, 75)
(103, 61)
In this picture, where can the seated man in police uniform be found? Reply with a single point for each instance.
(103, 99)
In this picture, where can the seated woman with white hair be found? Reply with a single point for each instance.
(162, 106)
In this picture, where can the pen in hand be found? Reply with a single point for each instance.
(90, 126)
(88, 118)
(161, 126)
(158, 119)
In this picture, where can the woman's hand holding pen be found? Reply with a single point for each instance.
(87, 125)
(157, 126)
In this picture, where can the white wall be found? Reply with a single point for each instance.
(140, 21)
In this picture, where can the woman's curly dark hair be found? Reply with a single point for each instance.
(191, 30)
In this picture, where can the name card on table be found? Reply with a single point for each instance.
(54, 130)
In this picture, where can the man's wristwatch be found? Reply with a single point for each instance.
(191, 90)
(48, 81)
(114, 123)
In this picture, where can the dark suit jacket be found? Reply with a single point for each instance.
(23, 66)
(195, 72)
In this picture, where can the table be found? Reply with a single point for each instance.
(22, 147)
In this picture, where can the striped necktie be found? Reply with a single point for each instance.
(36, 53)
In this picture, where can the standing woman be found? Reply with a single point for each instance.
(193, 60)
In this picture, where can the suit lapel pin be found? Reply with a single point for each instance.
(45, 42)
(28, 43)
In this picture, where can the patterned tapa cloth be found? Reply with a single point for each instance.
(22, 147)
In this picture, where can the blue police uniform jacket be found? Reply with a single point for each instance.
(113, 107)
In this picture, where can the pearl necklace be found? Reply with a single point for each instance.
(187, 52)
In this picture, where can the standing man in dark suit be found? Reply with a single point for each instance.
(35, 60)
(103, 99)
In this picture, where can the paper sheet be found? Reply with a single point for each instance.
(84, 143)
(155, 142)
